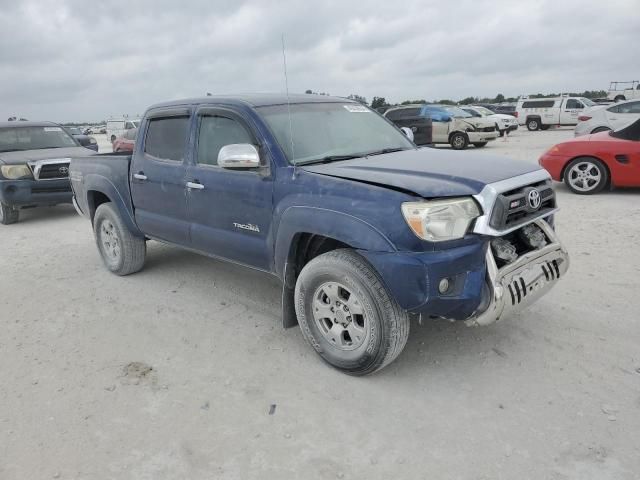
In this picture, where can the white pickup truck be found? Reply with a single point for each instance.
(624, 90)
(542, 113)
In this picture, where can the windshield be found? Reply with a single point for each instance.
(456, 112)
(483, 111)
(322, 130)
(15, 139)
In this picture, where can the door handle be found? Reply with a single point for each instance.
(139, 176)
(197, 186)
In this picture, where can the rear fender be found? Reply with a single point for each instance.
(101, 184)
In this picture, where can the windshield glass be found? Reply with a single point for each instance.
(456, 112)
(13, 139)
(323, 130)
(588, 102)
(483, 111)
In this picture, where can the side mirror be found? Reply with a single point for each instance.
(239, 155)
(408, 132)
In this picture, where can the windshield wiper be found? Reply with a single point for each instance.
(384, 150)
(329, 159)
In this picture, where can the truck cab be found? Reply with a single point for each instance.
(542, 113)
(366, 231)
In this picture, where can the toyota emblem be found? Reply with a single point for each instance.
(63, 170)
(533, 197)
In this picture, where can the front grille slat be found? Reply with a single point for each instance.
(50, 171)
(512, 208)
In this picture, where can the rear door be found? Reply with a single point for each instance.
(230, 210)
(623, 114)
(158, 176)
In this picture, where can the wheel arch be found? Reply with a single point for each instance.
(100, 190)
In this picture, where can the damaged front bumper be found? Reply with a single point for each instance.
(522, 282)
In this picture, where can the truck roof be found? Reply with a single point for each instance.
(255, 100)
(18, 123)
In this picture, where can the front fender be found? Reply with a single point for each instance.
(340, 226)
(101, 184)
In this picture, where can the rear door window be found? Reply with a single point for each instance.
(167, 138)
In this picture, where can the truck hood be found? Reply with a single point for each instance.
(24, 156)
(428, 172)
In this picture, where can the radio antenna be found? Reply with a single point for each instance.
(286, 86)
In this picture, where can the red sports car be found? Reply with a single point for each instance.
(590, 163)
(126, 142)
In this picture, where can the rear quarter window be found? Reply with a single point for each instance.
(538, 104)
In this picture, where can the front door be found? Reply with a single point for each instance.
(230, 210)
(158, 178)
(570, 110)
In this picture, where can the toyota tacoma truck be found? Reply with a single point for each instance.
(34, 166)
(366, 231)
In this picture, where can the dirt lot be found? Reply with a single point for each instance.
(183, 371)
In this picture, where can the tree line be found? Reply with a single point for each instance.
(381, 102)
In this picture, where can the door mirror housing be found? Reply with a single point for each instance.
(239, 155)
(408, 132)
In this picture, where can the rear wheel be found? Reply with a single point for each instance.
(619, 98)
(347, 315)
(459, 141)
(600, 129)
(586, 176)
(480, 144)
(8, 214)
(121, 251)
(545, 127)
(533, 124)
(113, 138)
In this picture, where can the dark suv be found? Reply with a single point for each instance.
(411, 118)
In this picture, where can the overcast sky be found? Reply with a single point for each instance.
(87, 60)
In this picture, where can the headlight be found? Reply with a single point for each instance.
(440, 220)
(14, 172)
(92, 141)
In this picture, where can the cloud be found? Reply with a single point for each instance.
(73, 60)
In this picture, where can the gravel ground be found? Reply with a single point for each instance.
(183, 371)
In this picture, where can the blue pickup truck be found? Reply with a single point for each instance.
(366, 231)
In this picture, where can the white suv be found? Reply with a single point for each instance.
(542, 113)
(504, 123)
(603, 118)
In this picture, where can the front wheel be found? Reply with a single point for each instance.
(122, 252)
(347, 315)
(586, 176)
(8, 215)
(459, 141)
(480, 144)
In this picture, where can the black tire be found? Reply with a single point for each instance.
(113, 138)
(588, 185)
(480, 144)
(533, 124)
(545, 127)
(500, 132)
(459, 141)
(121, 251)
(384, 325)
(619, 98)
(600, 129)
(8, 214)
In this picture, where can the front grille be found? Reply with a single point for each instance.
(49, 171)
(513, 208)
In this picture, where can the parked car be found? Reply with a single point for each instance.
(84, 140)
(364, 229)
(506, 110)
(504, 123)
(116, 127)
(542, 113)
(619, 91)
(453, 126)
(603, 118)
(411, 117)
(126, 142)
(34, 166)
(590, 163)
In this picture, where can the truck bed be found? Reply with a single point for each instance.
(105, 173)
